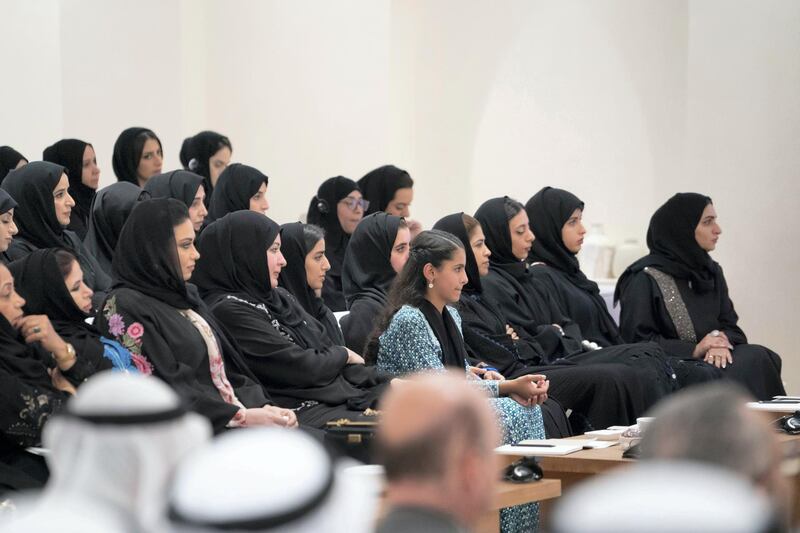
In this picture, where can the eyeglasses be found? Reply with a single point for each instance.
(354, 203)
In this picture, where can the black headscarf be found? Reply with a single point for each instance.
(548, 210)
(111, 208)
(380, 185)
(32, 186)
(293, 275)
(39, 280)
(233, 260)
(673, 247)
(146, 257)
(126, 155)
(179, 184)
(69, 154)
(9, 159)
(492, 216)
(368, 271)
(323, 207)
(454, 224)
(196, 152)
(7, 203)
(236, 185)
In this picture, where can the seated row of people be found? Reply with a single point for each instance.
(261, 355)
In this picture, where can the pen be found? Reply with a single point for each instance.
(536, 445)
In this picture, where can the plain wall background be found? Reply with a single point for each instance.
(623, 102)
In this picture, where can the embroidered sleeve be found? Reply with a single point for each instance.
(129, 336)
(25, 411)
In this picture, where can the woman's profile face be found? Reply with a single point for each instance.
(150, 162)
(217, 163)
(401, 248)
(259, 202)
(317, 266)
(187, 253)
(7, 229)
(708, 230)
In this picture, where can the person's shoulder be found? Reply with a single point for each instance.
(454, 313)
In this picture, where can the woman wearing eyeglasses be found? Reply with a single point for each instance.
(337, 208)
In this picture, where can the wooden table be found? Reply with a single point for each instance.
(576, 467)
(510, 494)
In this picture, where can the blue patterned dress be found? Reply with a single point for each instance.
(409, 345)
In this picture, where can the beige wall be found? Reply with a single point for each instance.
(624, 102)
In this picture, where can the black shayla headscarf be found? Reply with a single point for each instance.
(126, 155)
(673, 247)
(380, 185)
(111, 208)
(179, 184)
(492, 216)
(236, 185)
(454, 224)
(196, 153)
(39, 280)
(548, 210)
(9, 159)
(146, 258)
(368, 271)
(7, 203)
(32, 187)
(69, 154)
(293, 275)
(233, 260)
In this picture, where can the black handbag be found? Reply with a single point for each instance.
(353, 437)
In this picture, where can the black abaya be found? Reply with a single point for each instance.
(700, 285)
(602, 395)
(284, 346)
(533, 313)
(143, 313)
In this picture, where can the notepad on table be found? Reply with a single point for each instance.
(540, 448)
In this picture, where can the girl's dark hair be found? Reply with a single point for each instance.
(511, 207)
(64, 260)
(409, 287)
(138, 143)
(312, 234)
(470, 223)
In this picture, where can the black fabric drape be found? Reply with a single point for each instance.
(111, 208)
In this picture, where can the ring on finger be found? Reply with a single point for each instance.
(37, 329)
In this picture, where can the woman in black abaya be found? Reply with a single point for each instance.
(207, 154)
(284, 346)
(160, 318)
(43, 213)
(111, 208)
(184, 186)
(677, 296)
(303, 247)
(377, 251)
(598, 395)
(337, 208)
(555, 218)
(531, 311)
(239, 188)
(79, 160)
